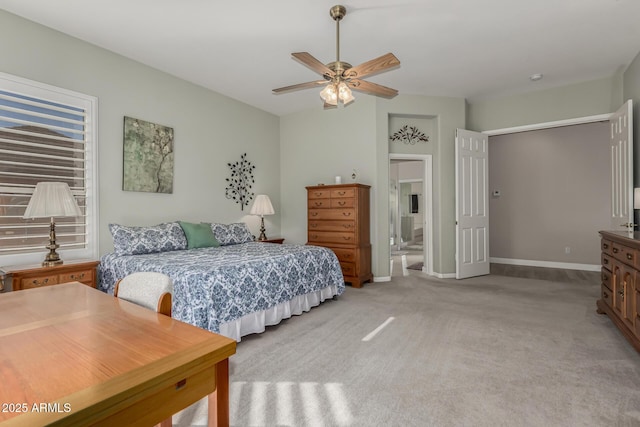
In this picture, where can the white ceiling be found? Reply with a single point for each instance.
(462, 48)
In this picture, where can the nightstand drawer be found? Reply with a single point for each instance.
(37, 282)
(35, 275)
(85, 276)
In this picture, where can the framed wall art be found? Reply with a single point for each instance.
(148, 157)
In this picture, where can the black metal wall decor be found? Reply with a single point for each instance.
(409, 135)
(240, 183)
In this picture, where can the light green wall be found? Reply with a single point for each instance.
(316, 145)
(210, 129)
(566, 102)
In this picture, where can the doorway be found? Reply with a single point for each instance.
(410, 213)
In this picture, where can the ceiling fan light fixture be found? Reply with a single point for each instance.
(344, 93)
(329, 94)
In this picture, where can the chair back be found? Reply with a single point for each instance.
(147, 289)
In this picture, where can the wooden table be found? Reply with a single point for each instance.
(73, 355)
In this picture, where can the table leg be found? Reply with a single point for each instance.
(219, 399)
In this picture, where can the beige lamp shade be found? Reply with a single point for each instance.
(262, 206)
(52, 199)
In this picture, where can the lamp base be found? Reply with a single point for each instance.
(52, 258)
(262, 236)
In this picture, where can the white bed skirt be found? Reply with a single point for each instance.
(256, 322)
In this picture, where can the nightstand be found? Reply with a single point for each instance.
(36, 276)
(274, 240)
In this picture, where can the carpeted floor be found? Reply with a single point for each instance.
(497, 350)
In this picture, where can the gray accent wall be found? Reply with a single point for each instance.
(210, 129)
(555, 189)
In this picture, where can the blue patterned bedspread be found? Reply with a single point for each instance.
(213, 286)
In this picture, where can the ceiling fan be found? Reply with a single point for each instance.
(339, 76)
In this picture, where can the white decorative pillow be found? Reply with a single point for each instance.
(145, 240)
(232, 234)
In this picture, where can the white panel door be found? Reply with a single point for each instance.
(621, 148)
(472, 207)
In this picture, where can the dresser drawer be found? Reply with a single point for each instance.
(605, 246)
(345, 255)
(319, 203)
(332, 225)
(348, 268)
(606, 278)
(623, 253)
(37, 282)
(319, 194)
(85, 276)
(343, 192)
(332, 214)
(637, 319)
(607, 295)
(343, 203)
(607, 261)
(332, 237)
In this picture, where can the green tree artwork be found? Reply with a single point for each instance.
(148, 157)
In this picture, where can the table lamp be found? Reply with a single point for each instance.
(49, 200)
(262, 206)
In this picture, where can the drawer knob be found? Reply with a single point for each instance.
(342, 193)
(346, 213)
(604, 245)
(313, 224)
(606, 261)
(314, 213)
(604, 294)
(77, 276)
(615, 250)
(341, 203)
(629, 256)
(346, 237)
(38, 283)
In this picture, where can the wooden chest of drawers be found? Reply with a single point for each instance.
(35, 276)
(338, 218)
(620, 287)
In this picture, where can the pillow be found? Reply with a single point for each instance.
(199, 235)
(146, 240)
(232, 234)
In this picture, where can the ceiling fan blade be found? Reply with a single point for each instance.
(299, 86)
(306, 59)
(372, 88)
(375, 66)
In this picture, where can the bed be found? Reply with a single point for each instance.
(235, 289)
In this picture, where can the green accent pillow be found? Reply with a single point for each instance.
(199, 235)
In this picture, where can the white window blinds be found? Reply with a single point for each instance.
(45, 135)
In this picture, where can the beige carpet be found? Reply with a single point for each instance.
(490, 351)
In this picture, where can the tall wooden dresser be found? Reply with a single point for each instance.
(620, 289)
(338, 218)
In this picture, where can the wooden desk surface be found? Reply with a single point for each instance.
(74, 354)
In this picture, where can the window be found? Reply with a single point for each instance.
(46, 134)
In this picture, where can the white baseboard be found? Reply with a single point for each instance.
(547, 264)
(445, 275)
(382, 279)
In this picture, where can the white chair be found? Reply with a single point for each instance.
(147, 289)
(150, 290)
